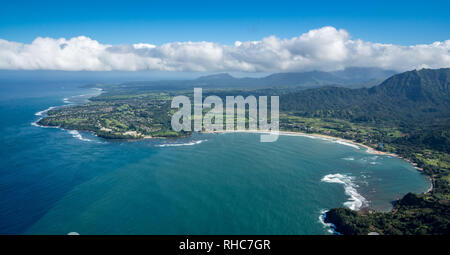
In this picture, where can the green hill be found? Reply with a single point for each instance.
(401, 99)
(350, 77)
(416, 105)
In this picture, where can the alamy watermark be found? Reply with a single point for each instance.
(237, 108)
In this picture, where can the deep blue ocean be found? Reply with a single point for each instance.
(55, 181)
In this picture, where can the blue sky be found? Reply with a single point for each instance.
(223, 36)
(156, 22)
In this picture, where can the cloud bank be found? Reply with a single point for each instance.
(324, 49)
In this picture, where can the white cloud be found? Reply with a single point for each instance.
(326, 48)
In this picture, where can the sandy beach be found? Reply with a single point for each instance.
(325, 137)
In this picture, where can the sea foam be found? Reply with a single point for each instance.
(345, 143)
(41, 113)
(77, 135)
(181, 144)
(356, 200)
(331, 228)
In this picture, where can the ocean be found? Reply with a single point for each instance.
(55, 181)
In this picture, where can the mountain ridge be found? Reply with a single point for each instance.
(364, 77)
(410, 95)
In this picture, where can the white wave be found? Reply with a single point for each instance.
(73, 234)
(345, 143)
(35, 123)
(371, 160)
(41, 113)
(66, 100)
(331, 228)
(371, 151)
(349, 158)
(355, 201)
(77, 135)
(181, 144)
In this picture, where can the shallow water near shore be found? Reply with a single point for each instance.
(55, 181)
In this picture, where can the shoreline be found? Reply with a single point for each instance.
(325, 137)
(333, 138)
(343, 141)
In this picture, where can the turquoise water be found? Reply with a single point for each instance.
(53, 181)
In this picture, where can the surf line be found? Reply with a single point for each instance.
(356, 201)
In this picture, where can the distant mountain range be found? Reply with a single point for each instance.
(354, 77)
(355, 94)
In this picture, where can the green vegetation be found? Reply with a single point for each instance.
(408, 114)
(412, 215)
(426, 213)
(115, 115)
